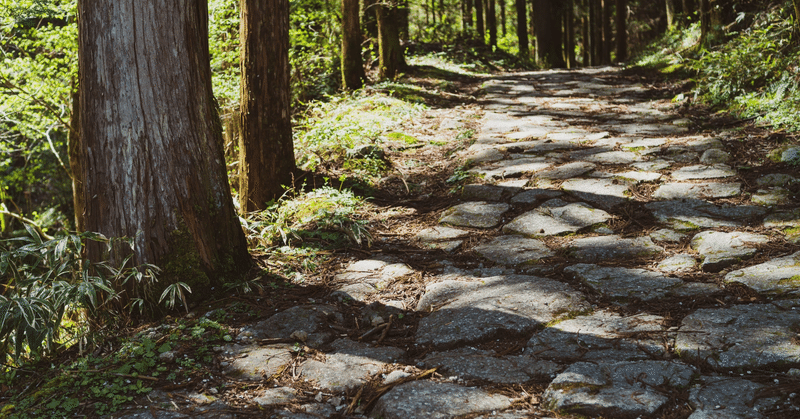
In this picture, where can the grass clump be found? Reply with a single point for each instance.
(343, 123)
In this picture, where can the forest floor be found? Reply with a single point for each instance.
(554, 244)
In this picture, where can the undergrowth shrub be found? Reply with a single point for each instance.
(52, 296)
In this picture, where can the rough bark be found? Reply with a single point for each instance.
(352, 66)
(391, 54)
(622, 30)
(522, 28)
(503, 16)
(152, 141)
(266, 152)
(548, 33)
(75, 162)
(596, 29)
(491, 22)
(670, 13)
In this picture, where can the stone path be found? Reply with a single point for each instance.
(622, 269)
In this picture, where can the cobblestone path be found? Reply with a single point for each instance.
(629, 270)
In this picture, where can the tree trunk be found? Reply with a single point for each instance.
(404, 13)
(352, 66)
(622, 30)
(479, 20)
(595, 32)
(491, 22)
(670, 13)
(705, 21)
(468, 19)
(587, 47)
(152, 142)
(607, 42)
(522, 28)
(391, 55)
(266, 152)
(548, 33)
(569, 27)
(503, 16)
(796, 13)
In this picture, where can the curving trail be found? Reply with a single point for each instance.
(624, 267)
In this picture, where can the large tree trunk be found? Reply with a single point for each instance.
(503, 16)
(522, 28)
(152, 141)
(622, 30)
(352, 66)
(391, 55)
(491, 22)
(548, 33)
(266, 152)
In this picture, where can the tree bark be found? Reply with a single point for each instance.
(352, 66)
(503, 16)
(548, 33)
(607, 41)
(595, 32)
(391, 55)
(266, 152)
(522, 28)
(670, 13)
(705, 21)
(152, 142)
(479, 20)
(491, 22)
(622, 30)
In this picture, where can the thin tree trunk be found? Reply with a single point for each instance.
(670, 13)
(569, 27)
(352, 66)
(522, 28)
(587, 46)
(705, 21)
(152, 142)
(622, 30)
(391, 55)
(607, 41)
(491, 22)
(479, 20)
(595, 34)
(75, 161)
(503, 16)
(266, 152)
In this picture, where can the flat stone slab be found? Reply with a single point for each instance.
(487, 192)
(717, 397)
(779, 276)
(607, 157)
(677, 190)
(667, 235)
(254, 362)
(714, 156)
(637, 177)
(567, 171)
(691, 214)
(531, 196)
(349, 366)
(720, 250)
(355, 292)
(471, 309)
(775, 179)
(652, 165)
(771, 197)
(605, 193)
(703, 172)
(428, 399)
(474, 214)
(752, 335)
(595, 249)
(441, 237)
(600, 336)
(514, 250)
(678, 263)
(474, 364)
(312, 320)
(783, 220)
(512, 167)
(556, 217)
(616, 390)
(622, 283)
(279, 395)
